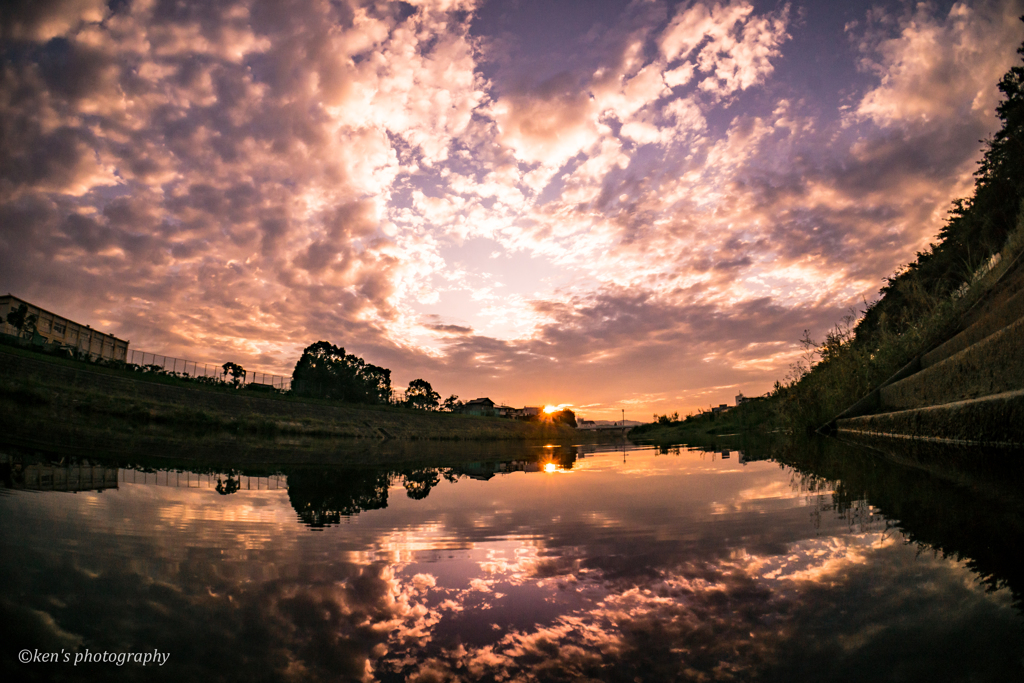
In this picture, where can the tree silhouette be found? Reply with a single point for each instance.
(326, 371)
(421, 395)
(419, 482)
(228, 486)
(322, 498)
(236, 371)
(451, 404)
(565, 417)
(20, 320)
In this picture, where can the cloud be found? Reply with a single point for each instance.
(735, 46)
(41, 20)
(937, 69)
(236, 180)
(523, 576)
(247, 153)
(550, 124)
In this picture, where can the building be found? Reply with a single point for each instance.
(478, 406)
(488, 408)
(44, 477)
(54, 329)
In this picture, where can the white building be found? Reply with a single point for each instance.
(55, 329)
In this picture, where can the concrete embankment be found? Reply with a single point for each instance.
(74, 407)
(969, 389)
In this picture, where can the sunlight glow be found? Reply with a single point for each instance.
(550, 467)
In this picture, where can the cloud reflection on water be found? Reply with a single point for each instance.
(713, 570)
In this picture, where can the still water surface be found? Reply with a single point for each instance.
(629, 565)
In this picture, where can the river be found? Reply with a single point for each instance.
(627, 563)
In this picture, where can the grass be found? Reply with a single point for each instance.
(755, 415)
(39, 399)
(845, 367)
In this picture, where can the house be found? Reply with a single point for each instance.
(55, 329)
(478, 406)
(488, 408)
(721, 408)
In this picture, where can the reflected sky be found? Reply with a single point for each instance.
(638, 566)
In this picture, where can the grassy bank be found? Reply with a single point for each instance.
(926, 300)
(758, 415)
(855, 359)
(73, 405)
(852, 360)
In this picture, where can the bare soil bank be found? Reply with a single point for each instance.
(72, 407)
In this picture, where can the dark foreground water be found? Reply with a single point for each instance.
(638, 565)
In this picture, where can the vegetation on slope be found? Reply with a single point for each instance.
(923, 302)
(919, 306)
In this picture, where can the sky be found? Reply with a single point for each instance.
(633, 206)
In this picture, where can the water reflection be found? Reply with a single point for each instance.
(657, 564)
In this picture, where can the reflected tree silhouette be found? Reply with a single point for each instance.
(419, 482)
(961, 503)
(322, 497)
(228, 486)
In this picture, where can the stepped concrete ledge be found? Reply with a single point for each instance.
(991, 366)
(1005, 315)
(996, 420)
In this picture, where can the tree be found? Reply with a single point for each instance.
(229, 486)
(421, 395)
(326, 371)
(376, 383)
(24, 323)
(236, 371)
(565, 417)
(322, 498)
(419, 482)
(451, 404)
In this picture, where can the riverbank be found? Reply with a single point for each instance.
(59, 404)
(755, 416)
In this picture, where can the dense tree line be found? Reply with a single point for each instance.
(326, 371)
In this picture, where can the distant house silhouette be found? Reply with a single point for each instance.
(478, 406)
(488, 408)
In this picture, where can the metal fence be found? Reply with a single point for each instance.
(192, 368)
(192, 480)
